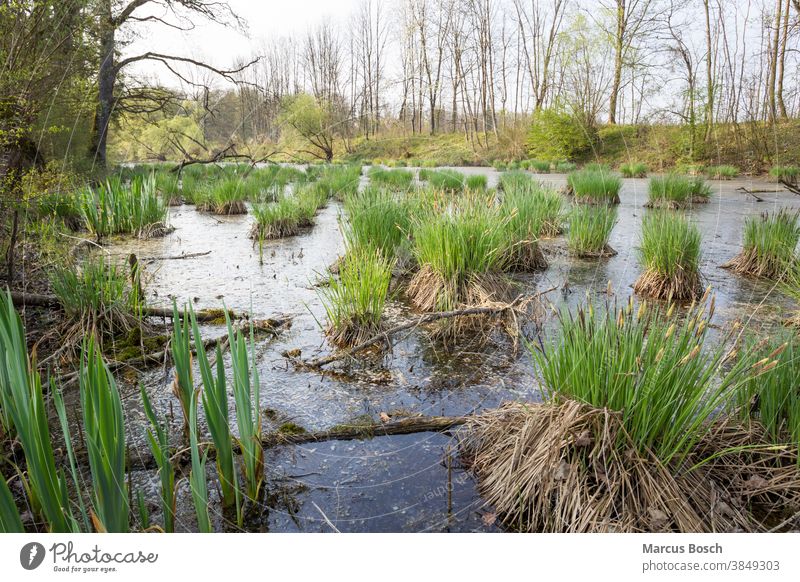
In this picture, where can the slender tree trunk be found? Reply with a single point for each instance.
(773, 64)
(709, 74)
(618, 49)
(106, 80)
(782, 62)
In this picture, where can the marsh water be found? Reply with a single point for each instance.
(414, 482)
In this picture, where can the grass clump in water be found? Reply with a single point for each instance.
(594, 186)
(395, 179)
(377, 220)
(670, 254)
(590, 229)
(136, 209)
(276, 220)
(98, 299)
(723, 172)
(677, 191)
(770, 246)
(539, 166)
(355, 300)
(224, 198)
(524, 217)
(460, 254)
(633, 170)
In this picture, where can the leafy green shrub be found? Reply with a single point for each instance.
(554, 135)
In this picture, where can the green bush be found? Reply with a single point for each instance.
(554, 135)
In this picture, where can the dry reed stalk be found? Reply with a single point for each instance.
(569, 467)
(684, 286)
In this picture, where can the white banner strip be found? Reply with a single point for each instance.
(404, 557)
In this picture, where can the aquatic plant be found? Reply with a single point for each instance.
(354, 301)
(105, 441)
(215, 404)
(499, 165)
(540, 166)
(137, 209)
(158, 440)
(550, 206)
(446, 180)
(590, 229)
(633, 170)
(785, 173)
(98, 298)
(181, 350)
(476, 182)
(565, 167)
(770, 246)
(677, 191)
(10, 520)
(377, 220)
(339, 181)
(226, 197)
(247, 398)
(524, 217)
(197, 475)
(670, 254)
(168, 185)
(515, 180)
(276, 220)
(721, 172)
(395, 179)
(654, 367)
(771, 394)
(594, 186)
(460, 255)
(25, 414)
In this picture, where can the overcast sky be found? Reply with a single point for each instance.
(265, 18)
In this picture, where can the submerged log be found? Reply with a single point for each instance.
(21, 299)
(357, 431)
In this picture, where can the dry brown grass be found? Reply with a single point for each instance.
(683, 286)
(429, 291)
(571, 468)
(750, 264)
(525, 257)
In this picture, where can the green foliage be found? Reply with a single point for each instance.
(633, 170)
(105, 441)
(539, 166)
(137, 209)
(197, 475)
(10, 521)
(677, 191)
(595, 186)
(24, 411)
(247, 396)
(771, 394)
(476, 182)
(215, 404)
(670, 245)
(181, 349)
(722, 172)
(378, 221)
(395, 179)
(770, 241)
(590, 229)
(554, 135)
(354, 301)
(158, 439)
(786, 173)
(654, 368)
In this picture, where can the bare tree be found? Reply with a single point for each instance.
(115, 17)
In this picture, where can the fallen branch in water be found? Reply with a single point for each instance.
(793, 188)
(357, 431)
(753, 193)
(176, 257)
(51, 302)
(422, 320)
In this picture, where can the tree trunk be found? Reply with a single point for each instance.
(709, 75)
(782, 62)
(619, 40)
(106, 80)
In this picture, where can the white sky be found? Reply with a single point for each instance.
(222, 46)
